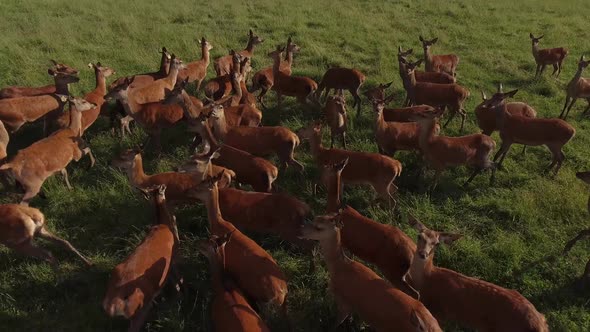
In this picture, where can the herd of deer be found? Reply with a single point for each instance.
(413, 295)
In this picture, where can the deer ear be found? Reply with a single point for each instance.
(51, 72)
(421, 39)
(388, 85)
(448, 238)
(541, 36)
(289, 40)
(416, 224)
(399, 49)
(582, 57)
(510, 94)
(251, 33)
(434, 40)
(54, 62)
(340, 166)
(531, 35)
(410, 51)
(483, 96)
(90, 65)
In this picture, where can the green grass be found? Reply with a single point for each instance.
(513, 231)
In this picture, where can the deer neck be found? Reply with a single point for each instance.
(75, 120)
(213, 211)
(427, 57)
(315, 144)
(136, 173)
(420, 270)
(165, 217)
(188, 106)
(577, 76)
(62, 88)
(289, 58)
(334, 188)
(205, 55)
(501, 115)
(427, 132)
(250, 47)
(331, 249)
(220, 127)
(276, 66)
(173, 74)
(164, 68)
(101, 82)
(535, 50)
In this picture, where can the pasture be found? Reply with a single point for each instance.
(513, 231)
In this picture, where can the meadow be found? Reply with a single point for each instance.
(514, 231)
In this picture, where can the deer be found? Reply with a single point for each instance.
(196, 71)
(137, 281)
(230, 310)
(375, 300)
(147, 78)
(238, 115)
(335, 113)
(21, 225)
(441, 95)
(21, 91)
(96, 97)
(263, 80)
(224, 65)
(441, 152)
(221, 86)
(15, 112)
(344, 79)
(248, 98)
(578, 87)
(255, 271)
(438, 63)
(476, 304)
(402, 114)
(547, 56)
(154, 91)
(363, 167)
(286, 85)
(177, 183)
(31, 166)
(377, 92)
(553, 133)
(384, 246)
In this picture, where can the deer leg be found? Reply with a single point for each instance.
(326, 93)
(357, 100)
(537, 72)
(523, 150)
(87, 151)
(332, 141)
(587, 107)
(574, 99)
(30, 193)
(559, 70)
(502, 153)
(344, 140)
(559, 161)
(344, 312)
(555, 68)
(463, 115)
(567, 101)
(138, 320)
(473, 175)
(583, 234)
(261, 95)
(542, 70)
(47, 235)
(64, 173)
(198, 86)
(279, 101)
(28, 248)
(450, 118)
(437, 174)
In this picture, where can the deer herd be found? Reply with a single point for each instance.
(406, 291)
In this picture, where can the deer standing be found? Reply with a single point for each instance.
(22, 91)
(438, 63)
(224, 65)
(578, 87)
(339, 78)
(335, 113)
(286, 85)
(196, 71)
(547, 56)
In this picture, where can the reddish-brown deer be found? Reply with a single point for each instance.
(339, 78)
(300, 87)
(578, 87)
(225, 65)
(547, 56)
(196, 71)
(335, 113)
(473, 303)
(221, 86)
(438, 63)
(155, 91)
(22, 91)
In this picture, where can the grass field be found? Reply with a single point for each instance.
(513, 231)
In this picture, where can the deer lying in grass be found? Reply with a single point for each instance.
(177, 183)
(155, 91)
(230, 310)
(31, 166)
(136, 282)
(358, 289)
(286, 85)
(335, 113)
(473, 303)
(578, 87)
(339, 78)
(21, 91)
(15, 112)
(385, 246)
(221, 86)
(95, 96)
(363, 167)
(553, 133)
(263, 80)
(196, 71)
(547, 56)
(439, 63)
(441, 152)
(225, 65)
(20, 225)
(437, 95)
(255, 271)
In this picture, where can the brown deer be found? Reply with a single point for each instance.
(224, 65)
(438, 63)
(385, 246)
(547, 56)
(286, 85)
(441, 152)
(437, 95)
(578, 87)
(473, 303)
(230, 310)
(358, 289)
(196, 71)
(263, 80)
(15, 112)
(377, 92)
(21, 91)
(335, 113)
(255, 271)
(147, 78)
(136, 282)
(31, 166)
(222, 86)
(155, 91)
(20, 225)
(339, 78)
(553, 133)
(363, 167)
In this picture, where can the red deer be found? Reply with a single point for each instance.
(147, 78)
(286, 85)
(136, 282)
(20, 225)
(230, 310)
(377, 92)
(4, 139)
(363, 167)
(31, 166)
(21, 91)
(553, 133)
(221, 86)
(225, 65)
(439, 63)
(344, 79)
(196, 71)
(547, 56)
(578, 87)
(473, 303)
(358, 289)
(335, 113)
(154, 91)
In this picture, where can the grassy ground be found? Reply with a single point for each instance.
(513, 230)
